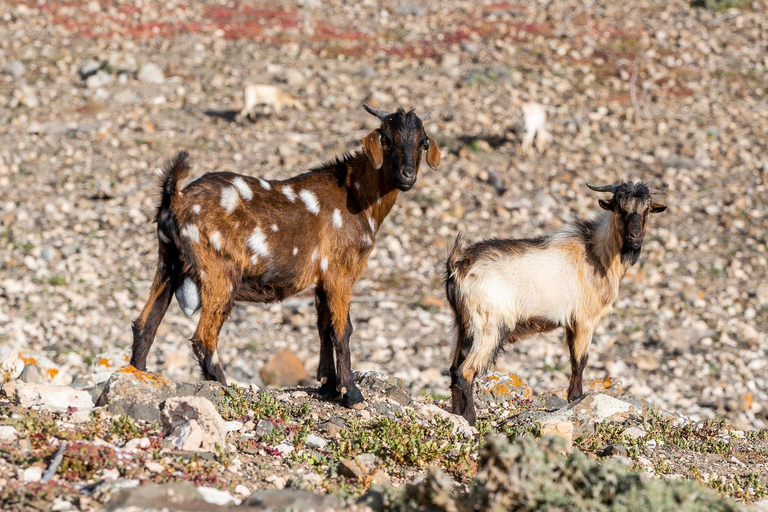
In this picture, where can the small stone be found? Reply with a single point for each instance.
(14, 68)
(32, 373)
(284, 449)
(32, 474)
(234, 426)
(151, 73)
(8, 433)
(154, 467)
(278, 481)
(193, 423)
(264, 427)
(283, 369)
(563, 429)
(88, 68)
(359, 467)
(25, 95)
(634, 433)
(217, 497)
(99, 79)
(139, 443)
(314, 441)
(242, 490)
(614, 449)
(109, 474)
(48, 397)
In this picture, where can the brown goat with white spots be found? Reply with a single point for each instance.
(506, 290)
(227, 237)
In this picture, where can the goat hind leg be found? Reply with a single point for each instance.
(326, 369)
(145, 327)
(205, 341)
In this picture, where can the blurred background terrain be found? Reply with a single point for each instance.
(94, 96)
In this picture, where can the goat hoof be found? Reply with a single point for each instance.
(328, 391)
(354, 399)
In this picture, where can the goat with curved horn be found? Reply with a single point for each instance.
(604, 188)
(374, 112)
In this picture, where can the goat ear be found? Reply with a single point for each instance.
(433, 154)
(606, 205)
(658, 208)
(372, 149)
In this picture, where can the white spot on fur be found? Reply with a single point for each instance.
(190, 231)
(229, 199)
(310, 199)
(315, 254)
(295, 251)
(265, 184)
(324, 264)
(215, 239)
(188, 297)
(367, 240)
(196, 209)
(273, 227)
(258, 244)
(337, 223)
(372, 223)
(289, 193)
(162, 236)
(245, 191)
(357, 185)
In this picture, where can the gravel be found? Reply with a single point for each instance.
(677, 95)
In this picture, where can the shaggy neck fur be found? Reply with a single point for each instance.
(607, 245)
(370, 188)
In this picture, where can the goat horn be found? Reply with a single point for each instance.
(424, 117)
(661, 190)
(604, 188)
(378, 113)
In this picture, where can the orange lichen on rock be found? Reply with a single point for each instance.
(105, 362)
(51, 373)
(27, 360)
(143, 376)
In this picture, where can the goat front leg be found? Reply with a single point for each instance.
(338, 299)
(326, 369)
(579, 337)
(145, 327)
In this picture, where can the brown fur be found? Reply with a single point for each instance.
(228, 237)
(598, 252)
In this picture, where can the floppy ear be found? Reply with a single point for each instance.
(606, 205)
(433, 154)
(658, 208)
(372, 149)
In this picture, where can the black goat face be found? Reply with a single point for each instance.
(632, 202)
(398, 145)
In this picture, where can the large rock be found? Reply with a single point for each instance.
(136, 394)
(591, 409)
(501, 387)
(283, 369)
(191, 423)
(294, 500)
(12, 361)
(48, 397)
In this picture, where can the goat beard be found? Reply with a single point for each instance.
(629, 255)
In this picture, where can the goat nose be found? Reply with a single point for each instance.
(408, 172)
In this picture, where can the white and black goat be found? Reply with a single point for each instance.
(506, 290)
(227, 237)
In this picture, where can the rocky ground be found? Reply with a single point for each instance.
(95, 95)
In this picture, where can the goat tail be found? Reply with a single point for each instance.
(174, 170)
(171, 174)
